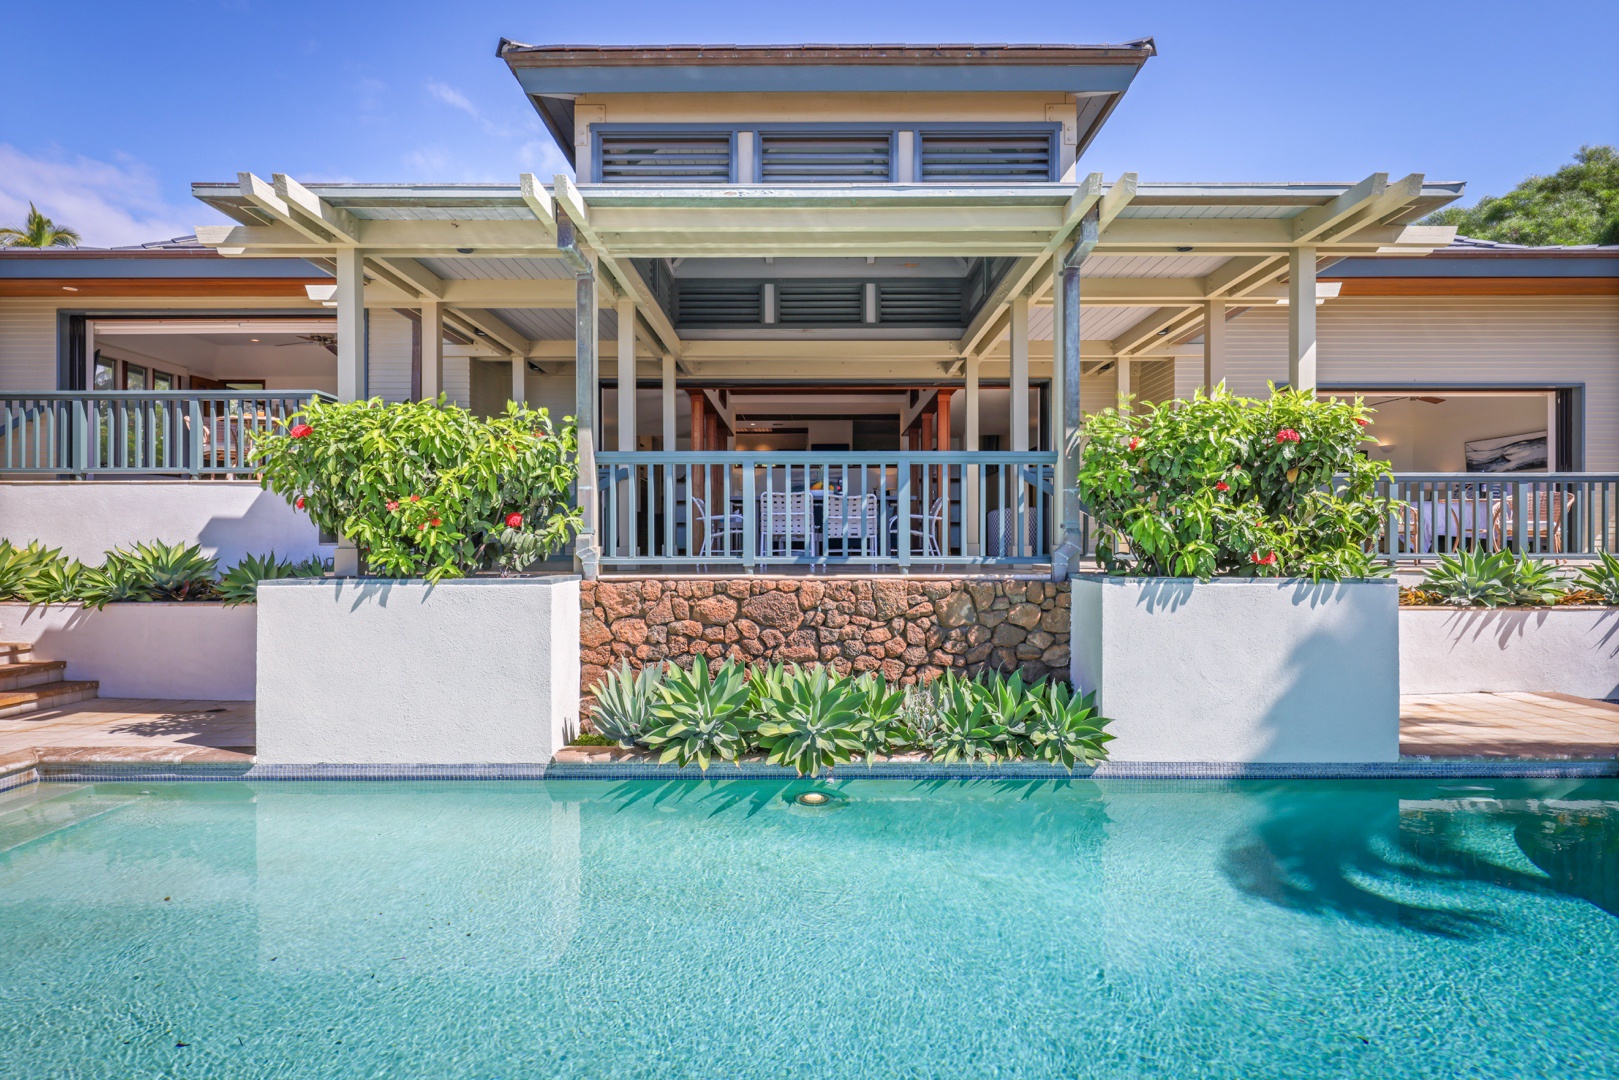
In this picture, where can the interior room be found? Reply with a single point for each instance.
(214, 354)
(1462, 430)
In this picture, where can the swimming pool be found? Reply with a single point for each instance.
(722, 929)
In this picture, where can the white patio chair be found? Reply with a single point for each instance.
(786, 519)
(715, 526)
(851, 519)
(931, 526)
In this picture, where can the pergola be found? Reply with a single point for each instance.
(1152, 264)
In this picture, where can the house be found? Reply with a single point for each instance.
(864, 295)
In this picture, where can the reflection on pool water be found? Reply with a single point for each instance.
(723, 929)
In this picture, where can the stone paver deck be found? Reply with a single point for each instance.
(1509, 725)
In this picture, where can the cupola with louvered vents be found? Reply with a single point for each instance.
(953, 156)
(819, 157)
(666, 157)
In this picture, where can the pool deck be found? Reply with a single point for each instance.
(1517, 726)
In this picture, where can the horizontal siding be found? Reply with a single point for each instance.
(1503, 341)
(1154, 380)
(389, 345)
(27, 345)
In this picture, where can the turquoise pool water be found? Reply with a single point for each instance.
(720, 930)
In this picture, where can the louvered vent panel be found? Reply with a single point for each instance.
(720, 303)
(919, 302)
(662, 157)
(825, 157)
(820, 303)
(1008, 156)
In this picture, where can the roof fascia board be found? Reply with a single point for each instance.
(1112, 77)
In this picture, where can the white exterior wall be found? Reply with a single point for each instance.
(86, 518)
(196, 651)
(27, 345)
(481, 671)
(1435, 341)
(388, 368)
(1536, 650)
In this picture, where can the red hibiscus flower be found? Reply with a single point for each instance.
(298, 431)
(1287, 434)
(422, 527)
(1361, 421)
(1222, 486)
(393, 504)
(514, 521)
(1133, 444)
(437, 522)
(299, 503)
(415, 498)
(1268, 560)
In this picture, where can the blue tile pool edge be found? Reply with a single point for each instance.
(1415, 768)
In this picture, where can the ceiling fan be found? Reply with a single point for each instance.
(325, 341)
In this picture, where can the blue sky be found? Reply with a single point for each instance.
(118, 107)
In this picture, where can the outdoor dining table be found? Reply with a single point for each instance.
(1469, 516)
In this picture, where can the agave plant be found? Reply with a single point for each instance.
(814, 723)
(1472, 579)
(624, 699)
(701, 715)
(56, 582)
(884, 709)
(1066, 728)
(20, 566)
(1532, 582)
(1011, 703)
(1601, 577)
(240, 584)
(967, 729)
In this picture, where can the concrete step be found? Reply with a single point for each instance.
(18, 675)
(49, 696)
(15, 652)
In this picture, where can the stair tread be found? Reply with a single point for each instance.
(45, 691)
(29, 667)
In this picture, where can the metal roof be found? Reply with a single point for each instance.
(518, 54)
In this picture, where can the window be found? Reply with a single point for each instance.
(817, 157)
(106, 374)
(986, 155)
(664, 157)
(134, 377)
(162, 380)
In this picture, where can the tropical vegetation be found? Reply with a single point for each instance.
(1227, 485)
(811, 718)
(1577, 204)
(1482, 578)
(38, 231)
(428, 489)
(143, 573)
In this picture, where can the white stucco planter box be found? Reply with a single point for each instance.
(197, 650)
(358, 671)
(1241, 670)
(1567, 650)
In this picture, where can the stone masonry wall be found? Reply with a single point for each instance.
(906, 628)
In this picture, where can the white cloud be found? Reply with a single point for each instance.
(453, 97)
(110, 203)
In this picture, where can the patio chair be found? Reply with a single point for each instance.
(931, 526)
(851, 519)
(715, 526)
(1544, 514)
(786, 520)
(1000, 532)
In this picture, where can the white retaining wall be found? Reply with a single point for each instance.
(1562, 650)
(365, 671)
(86, 518)
(183, 650)
(1241, 670)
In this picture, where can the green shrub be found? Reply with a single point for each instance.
(968, 729)
(884, 709)
(427, 489)
(1493, 579)
(624, 699)
(814, 722)
(57, 582)
(1602, 578)
(701, 715)
(1234, 486)
(240, 584)
(21, 567)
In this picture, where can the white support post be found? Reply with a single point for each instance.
(1059, 397)
(520, 380)
(1213, 344)
(1301, 340)
(1065, 355)
(350, 366)
(626, 421)
(668, 402)
(350, 324)
(586, 552)
(1124, 383)
(970, 442)
(1020, 373)
(432, 350)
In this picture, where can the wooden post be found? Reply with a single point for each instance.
(1123, 382)
(587, 552)
(696, 477)
(969, 442)
(627, 495)
(432, 328)
(1301, 340)
(519, 391)
(1020, 372)
(350, 366)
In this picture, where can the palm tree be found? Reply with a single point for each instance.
(39, 232)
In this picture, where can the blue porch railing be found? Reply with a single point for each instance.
(1543, 515)
(738, 508)
(153, 433)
